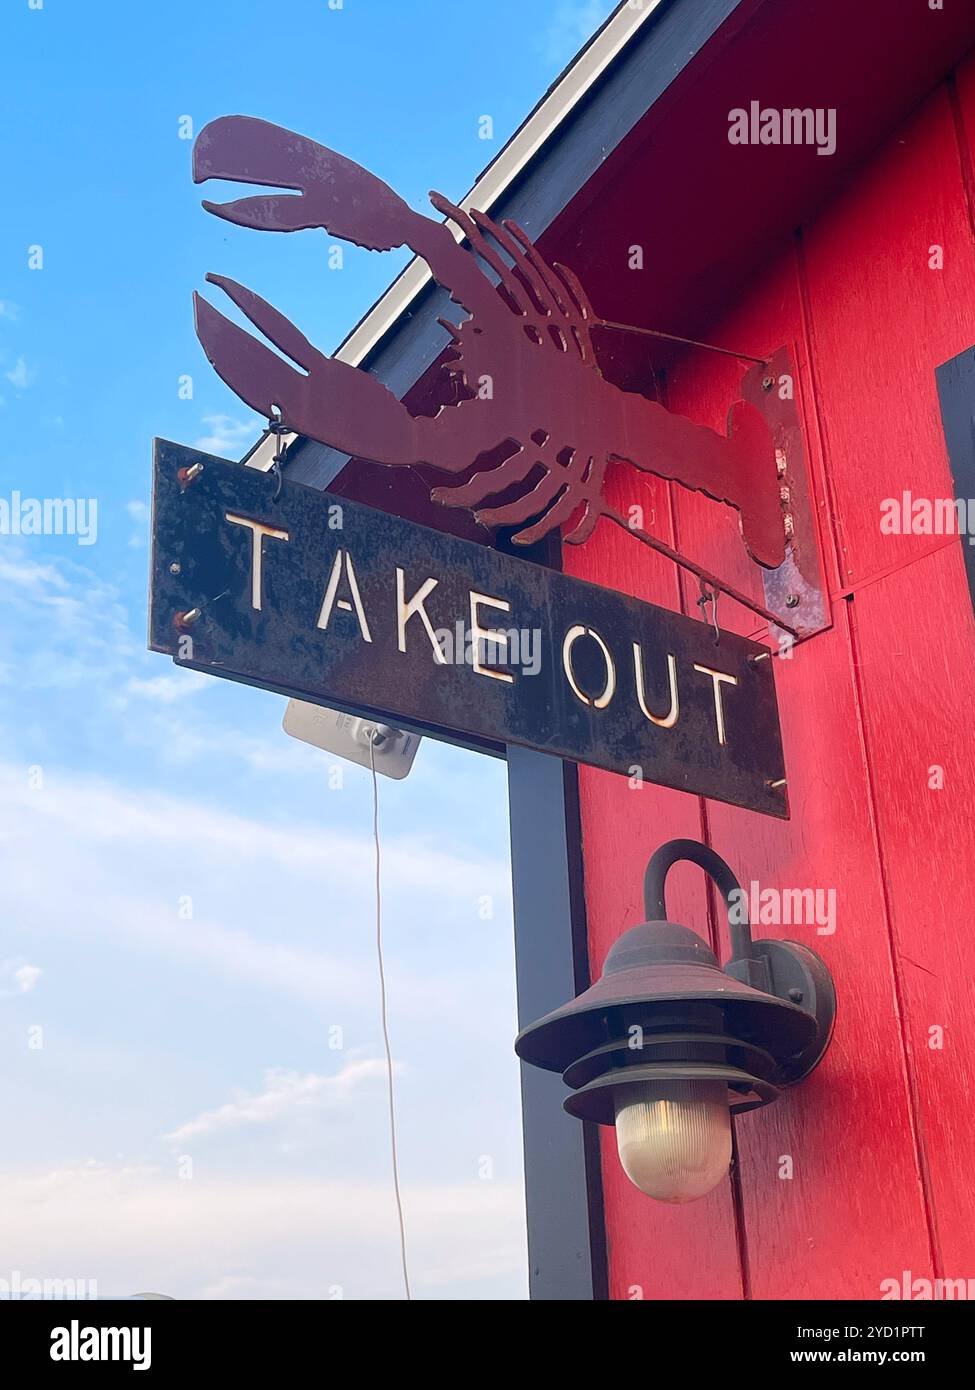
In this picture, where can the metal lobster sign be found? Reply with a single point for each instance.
(529, 396)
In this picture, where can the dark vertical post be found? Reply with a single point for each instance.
(563, 1186)
(956, 391)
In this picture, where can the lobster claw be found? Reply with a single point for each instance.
(330, 191)
(329, 401)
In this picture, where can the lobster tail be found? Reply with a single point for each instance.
(757, 493)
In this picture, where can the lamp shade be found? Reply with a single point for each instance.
(669, 969)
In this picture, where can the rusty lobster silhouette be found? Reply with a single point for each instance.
(529, 391)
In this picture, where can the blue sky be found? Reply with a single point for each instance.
(185, 904)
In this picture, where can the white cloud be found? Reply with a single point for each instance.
(93, 811)
(27, 977)
(20, 975)
(228, 436)
(167, 689)
(182, 742)
(21, 376)
(134, 1228)
(284, 1093)
(116, 850)
(139, 512)
(69, 629)
(9, 310)
(28, 574)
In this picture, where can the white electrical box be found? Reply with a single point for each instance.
(349, 736)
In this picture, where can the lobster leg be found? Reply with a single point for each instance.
(515, 468)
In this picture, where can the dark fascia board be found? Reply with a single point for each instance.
(641, 74)
(563, 1175)
(956, 392)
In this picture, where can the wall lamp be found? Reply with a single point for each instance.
(667, 1045)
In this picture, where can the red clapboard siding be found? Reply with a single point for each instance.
(918, 697)
(880, 1137)
(826, 1232)
(654, 1251)
(913, 631)
(882, 321)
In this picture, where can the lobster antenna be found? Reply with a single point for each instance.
(673, 338)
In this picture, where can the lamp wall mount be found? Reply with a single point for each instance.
(795, 590)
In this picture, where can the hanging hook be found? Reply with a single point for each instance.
(279, 429)
(710, 595)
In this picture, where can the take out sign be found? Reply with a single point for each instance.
(314, 596)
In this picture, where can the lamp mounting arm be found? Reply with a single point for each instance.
(721, 875)
(787, 969)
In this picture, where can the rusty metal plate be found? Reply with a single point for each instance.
(314, 596)
(795, 590)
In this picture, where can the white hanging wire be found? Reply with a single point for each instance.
(385, 1020)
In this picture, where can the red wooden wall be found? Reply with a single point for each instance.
(881, 1137)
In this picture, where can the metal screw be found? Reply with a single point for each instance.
(796, 996)
(792, 601)
(175, 567)
(185, 476)
(774, 786)
(762, 656)
(768, 383)
(185, 619)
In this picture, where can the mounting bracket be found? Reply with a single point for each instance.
(797, 589)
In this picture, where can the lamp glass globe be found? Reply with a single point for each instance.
(674, 1137)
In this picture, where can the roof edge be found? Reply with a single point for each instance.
(561, 98)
